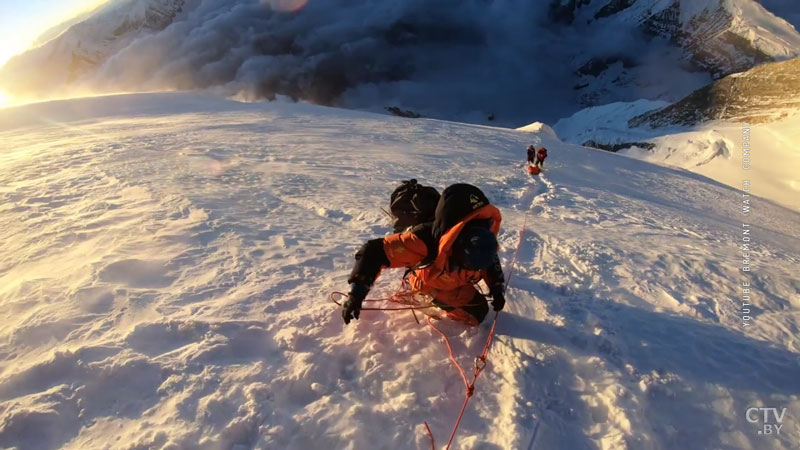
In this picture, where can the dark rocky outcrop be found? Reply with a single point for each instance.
(765, 93)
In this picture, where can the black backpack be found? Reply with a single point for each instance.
(412, 204)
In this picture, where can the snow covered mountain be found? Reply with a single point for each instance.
(718, 37)
(500, 62)
(764, 94)
(703, 132)
(721, 36)
(165, 261)
(58, 67)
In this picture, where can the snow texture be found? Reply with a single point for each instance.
(165, 262)
(605, 123)
(713, 149)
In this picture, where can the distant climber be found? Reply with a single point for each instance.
(446, 258)
(541, 155)
(531, 154)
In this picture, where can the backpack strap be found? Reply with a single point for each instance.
(424, 232)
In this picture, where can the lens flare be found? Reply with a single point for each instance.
(5, 100)
(286, 5)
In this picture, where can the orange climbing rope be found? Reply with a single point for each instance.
(480, 360)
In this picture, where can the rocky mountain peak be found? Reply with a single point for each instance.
(763, 94)
(718, 37)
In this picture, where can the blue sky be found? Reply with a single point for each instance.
(21, 21)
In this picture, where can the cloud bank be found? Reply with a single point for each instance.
(459, 57)
(454, 59)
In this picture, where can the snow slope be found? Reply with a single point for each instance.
(165, 261)
(715, 151)
(712, 149)
(606, 123)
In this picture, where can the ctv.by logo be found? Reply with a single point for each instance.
(771, 419)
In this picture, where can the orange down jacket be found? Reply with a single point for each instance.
(453, 287)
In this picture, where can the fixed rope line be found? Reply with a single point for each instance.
(387, 299)
(480, 360)
(404, 296)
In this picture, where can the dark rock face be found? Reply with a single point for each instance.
(762, 94)
(613, 148)
(709, 43)
(713, 47)
(596, 66)
(709, 39)
(613, 7)
(665, 23)
(396, 111)
(563, 11)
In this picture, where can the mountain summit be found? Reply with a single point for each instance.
(718, 37)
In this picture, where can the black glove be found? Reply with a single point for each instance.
(498, 297)
(351, 308)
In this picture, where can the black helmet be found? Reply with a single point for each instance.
(475, 248)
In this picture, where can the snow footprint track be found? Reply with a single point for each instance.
(535, 196)
(546, 190)
(536, 363)
(516, 364)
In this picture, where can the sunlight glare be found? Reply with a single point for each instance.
(5, 100)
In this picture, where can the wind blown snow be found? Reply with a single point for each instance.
(165, 262)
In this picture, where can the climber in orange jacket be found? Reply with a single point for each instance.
(446, 258)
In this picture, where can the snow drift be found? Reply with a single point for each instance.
(165, 262)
